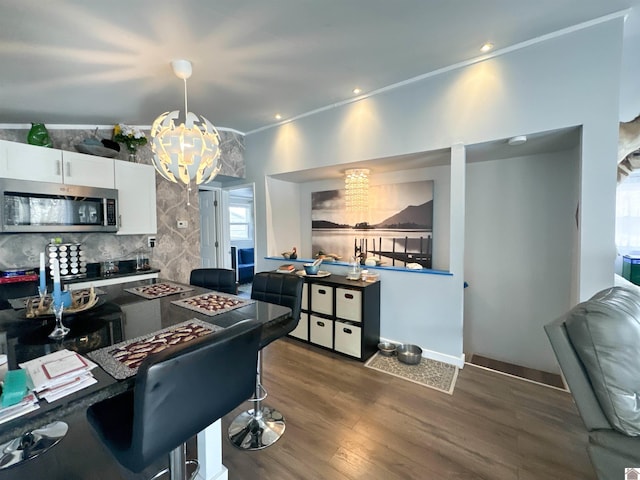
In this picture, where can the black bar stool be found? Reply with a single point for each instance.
(262, 426)
(218, 279)
(178, 393)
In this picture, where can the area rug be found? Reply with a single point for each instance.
(429, 373)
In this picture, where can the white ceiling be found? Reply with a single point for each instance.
(99, 63)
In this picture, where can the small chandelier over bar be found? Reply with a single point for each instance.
(356, 184)
(187, 152)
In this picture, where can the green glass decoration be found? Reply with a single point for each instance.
(38, 135)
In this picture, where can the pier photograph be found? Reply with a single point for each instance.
(394, 225)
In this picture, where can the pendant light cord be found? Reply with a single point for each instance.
(186, 109)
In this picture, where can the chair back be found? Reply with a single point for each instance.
(282, 289)
(218, 279)
(181, 391)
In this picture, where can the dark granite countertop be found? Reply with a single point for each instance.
(127, 268)
(119, 315)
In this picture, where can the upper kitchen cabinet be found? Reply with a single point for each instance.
(89, 170)
(29, 162)
(136, 184)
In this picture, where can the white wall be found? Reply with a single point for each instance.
(566, 81)
(520, 229)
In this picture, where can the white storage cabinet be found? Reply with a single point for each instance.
(340, 315)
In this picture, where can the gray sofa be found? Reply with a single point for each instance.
(597, 344)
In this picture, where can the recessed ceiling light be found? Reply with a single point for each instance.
(278, 116)
(486, 47)
(518, 140)
(357, 90)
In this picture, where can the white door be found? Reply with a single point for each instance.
(209, 228)
(225, 241)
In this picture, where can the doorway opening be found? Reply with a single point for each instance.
(241, 228)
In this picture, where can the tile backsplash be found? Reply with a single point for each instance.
(177, 251)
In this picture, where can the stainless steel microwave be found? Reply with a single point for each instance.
(33, 207)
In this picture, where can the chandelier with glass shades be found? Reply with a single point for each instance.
(356, 184)
(189, 151)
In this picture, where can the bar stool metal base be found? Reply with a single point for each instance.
(178, 462)
(31, 444)
(255, 432)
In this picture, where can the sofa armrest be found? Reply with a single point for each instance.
(576, 376)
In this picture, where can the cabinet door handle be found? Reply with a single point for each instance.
(119, 221)
(348, 295)
(59, 167)
(322, 291)
(320, 324)
(67, 169)
(347, 330)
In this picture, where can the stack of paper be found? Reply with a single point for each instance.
(59, 374)
(28, 404)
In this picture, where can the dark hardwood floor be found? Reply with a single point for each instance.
(345, 421)
(519, 371)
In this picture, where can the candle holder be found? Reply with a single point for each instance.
(42, 293)
(59, 331)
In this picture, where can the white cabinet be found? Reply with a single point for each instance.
(89, 170)
(30, 162)
(136, 184)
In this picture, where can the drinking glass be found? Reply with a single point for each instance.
(59, 331)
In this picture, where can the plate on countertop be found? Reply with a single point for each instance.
(320, 274)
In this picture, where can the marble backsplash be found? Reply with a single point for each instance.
(177, 251)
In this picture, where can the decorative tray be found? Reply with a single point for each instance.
(82, 300)
(158, 290)
(320, 274)
(98, 150)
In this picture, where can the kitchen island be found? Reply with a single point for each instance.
(119, 315)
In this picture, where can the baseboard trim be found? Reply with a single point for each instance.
(438, 356)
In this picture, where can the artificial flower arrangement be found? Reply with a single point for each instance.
(132, 137)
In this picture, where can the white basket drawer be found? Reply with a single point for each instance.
(305, 296)
(321, 331)
(349, 304)
(348, 339)
(302, 330)
(322, 299)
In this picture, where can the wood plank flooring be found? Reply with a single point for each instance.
(519, 371)
(345, 421)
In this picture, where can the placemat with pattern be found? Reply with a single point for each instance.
(213, 303)
(123, 359)
(158, 290)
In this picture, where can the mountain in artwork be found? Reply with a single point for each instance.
(413, 216)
